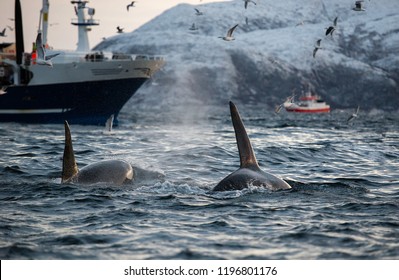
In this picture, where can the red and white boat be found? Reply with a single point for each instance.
(308, 103)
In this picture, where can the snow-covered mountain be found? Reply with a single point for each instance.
(272, 53)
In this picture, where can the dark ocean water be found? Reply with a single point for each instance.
(344, 203)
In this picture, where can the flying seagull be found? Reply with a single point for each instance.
(42, 57)
(119, 29)
(198, 12)
(358, 6)
(354, 115)
(229, 36)
(332, 28)
(3, 33)
(289, 99)
(3, 90)
(130, 5)
(278, 108)
(246, 3)
(316, 48)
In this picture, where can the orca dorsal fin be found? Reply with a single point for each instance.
(69, 166)
(247, 155)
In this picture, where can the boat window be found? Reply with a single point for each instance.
(121, 56)
(97, 56)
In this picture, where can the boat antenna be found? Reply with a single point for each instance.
(19, 32)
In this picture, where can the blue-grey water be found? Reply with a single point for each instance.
(344, 203)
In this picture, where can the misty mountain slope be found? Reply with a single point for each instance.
(272, 53)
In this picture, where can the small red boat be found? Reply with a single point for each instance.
(308, 103)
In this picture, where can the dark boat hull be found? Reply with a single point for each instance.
(88, 103)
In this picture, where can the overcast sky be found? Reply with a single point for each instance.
(62, 35)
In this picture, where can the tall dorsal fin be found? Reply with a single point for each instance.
(69, 166)
(247, 155)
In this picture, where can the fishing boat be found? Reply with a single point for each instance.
(308, 103)
(82, 86)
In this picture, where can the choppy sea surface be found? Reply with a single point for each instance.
(344, 203)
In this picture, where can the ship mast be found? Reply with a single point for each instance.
(83, 24)
(19, 32)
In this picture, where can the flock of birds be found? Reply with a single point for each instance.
(131, 5)
(330, 30)
(358, 7)
(229, 35)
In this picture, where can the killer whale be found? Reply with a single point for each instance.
(114, 172)
(249, 172)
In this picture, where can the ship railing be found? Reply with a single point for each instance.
(124, 56)
(79, 57)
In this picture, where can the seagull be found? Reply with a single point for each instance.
(193, 27)
(3, 90)
(42, 58)
(10, 27)
(316, 48)
(358, 6)
(331, 29)
(130, 5)
(108, 124)
(119, 30)
(229, 36)
(287, 100)
(354, 115)
(246, 3)
(278, 108)
(3, 33)
(198, 12)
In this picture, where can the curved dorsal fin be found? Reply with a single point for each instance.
(69, 166)
(247, 155)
